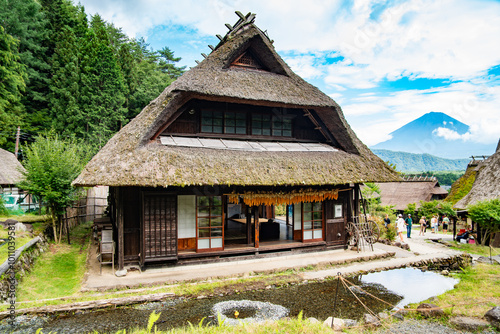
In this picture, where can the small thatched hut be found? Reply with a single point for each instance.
(10, 171)
(487, 183)
(200, 171)
(411, 190)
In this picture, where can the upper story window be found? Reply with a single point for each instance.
(212, 121)
(271, 125)
(235, 122)
(223, 122)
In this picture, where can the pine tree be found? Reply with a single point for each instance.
(167, 63)
(102, 94)
(65, 111)
(24, 20)
(12, 76)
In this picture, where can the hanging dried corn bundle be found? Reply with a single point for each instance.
(277, 198)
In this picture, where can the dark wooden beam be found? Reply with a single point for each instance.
(256, 225)
(119, 223)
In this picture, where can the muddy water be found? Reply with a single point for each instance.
(315, 299)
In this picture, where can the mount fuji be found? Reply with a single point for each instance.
(437, 134)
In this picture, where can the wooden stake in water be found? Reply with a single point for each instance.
(336, 294)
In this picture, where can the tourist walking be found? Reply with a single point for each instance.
(408, 223)
(400, 226)
(446, 221)
(434, 224)
(423, 224)
(387, 221)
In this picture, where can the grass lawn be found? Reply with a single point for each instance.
(476, 293)
(22, 238)
(475, 249)
(59, 271)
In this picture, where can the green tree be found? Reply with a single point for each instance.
(410, 209)
(487, 215)
(428, 209)
(66, 114)
(371, 194)
(167, 62)
(12, 85)
(102, 93)
(51, 165)
(446, 208)
(24, 20)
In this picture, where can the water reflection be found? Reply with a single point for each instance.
(413, 284)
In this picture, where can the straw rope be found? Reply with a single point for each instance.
(346, 282)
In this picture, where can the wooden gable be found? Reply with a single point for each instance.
(247, 60)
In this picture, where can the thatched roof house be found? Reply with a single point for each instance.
(236, 135)
(411, 190)
(10, 169)
(136, 156)
(487, 183)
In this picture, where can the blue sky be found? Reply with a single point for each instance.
(385, 62)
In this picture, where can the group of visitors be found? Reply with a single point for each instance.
(403, 225)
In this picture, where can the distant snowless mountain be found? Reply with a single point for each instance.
(437, 134)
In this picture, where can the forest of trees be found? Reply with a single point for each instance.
(75, 74)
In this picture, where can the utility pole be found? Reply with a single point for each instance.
(18, 135)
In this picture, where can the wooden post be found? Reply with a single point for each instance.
(67, 225)
(119, 223)
(356, 206)
(256, 225)
(249, 224)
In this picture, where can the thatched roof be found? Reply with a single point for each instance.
(400, 194)
(135, 156)
(10, 169)
(487, 183)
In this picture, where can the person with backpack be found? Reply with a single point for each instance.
(408, 223)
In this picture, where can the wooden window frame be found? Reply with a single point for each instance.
(210, 227)
(224, 122)
(313, 229)
(272, 129)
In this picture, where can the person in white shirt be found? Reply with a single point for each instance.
(400, 225)
(434, 224)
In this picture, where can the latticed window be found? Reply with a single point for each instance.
(209, 222)
(223, 122)
(267, 125)
(313, 220)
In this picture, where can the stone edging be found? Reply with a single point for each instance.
(24, 259)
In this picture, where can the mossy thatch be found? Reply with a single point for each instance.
(134, 156)
(487, 183)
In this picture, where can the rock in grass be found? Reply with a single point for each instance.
(371, 320)
(337, 325)
(469, 323)
(430, 310)
(493, 316)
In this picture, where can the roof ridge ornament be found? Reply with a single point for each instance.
(243, 20)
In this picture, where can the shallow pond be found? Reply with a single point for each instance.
(315, 299)
(413, 284)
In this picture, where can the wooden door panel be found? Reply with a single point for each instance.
(160, 227)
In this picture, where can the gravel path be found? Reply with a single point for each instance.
(422, 326)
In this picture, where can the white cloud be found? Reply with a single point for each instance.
(444, 39)
(465, 102)
(449, 134)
